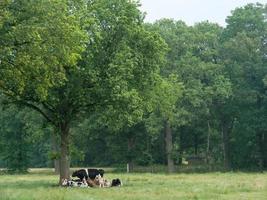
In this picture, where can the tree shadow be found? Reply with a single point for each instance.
(28, 184)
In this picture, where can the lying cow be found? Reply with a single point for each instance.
(103, 183)
(116, 183)
(75, 183)
(97, 182)
(88, 173)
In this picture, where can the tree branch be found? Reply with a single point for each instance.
(36, 108)
(48, 107)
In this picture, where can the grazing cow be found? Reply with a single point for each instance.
(88, 173)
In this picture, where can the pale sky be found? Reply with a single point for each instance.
(192, 11)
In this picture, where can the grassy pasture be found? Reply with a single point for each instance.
(41, 185)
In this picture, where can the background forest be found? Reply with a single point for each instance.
(93, 85)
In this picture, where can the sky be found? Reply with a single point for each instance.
(192, 11)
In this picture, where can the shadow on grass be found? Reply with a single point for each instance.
(28, 185)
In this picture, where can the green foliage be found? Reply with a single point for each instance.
(244, 55)
(248, 19)
(166, 96)
(20, 135)
(38, 43)
(125, 59)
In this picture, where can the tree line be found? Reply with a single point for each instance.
(88, 82)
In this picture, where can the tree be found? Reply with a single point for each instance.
(116, 69)
(166, 96)
(194, 58)
(244, 55)
(39, 44)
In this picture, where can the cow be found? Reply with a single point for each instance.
(88, 173)
(74, 183)
(116, 183)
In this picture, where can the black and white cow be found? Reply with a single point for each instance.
(74, 183)
(88, 173)
(116, 183)
(94, 178)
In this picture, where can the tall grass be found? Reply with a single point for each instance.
(43, 186)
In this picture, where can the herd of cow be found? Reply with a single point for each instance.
(90, 178)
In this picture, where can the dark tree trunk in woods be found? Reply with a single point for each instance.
(208, 145)
(196, 144)
(169, 147)
(64, 152)
(180, 160)
(181, 146)
(55, 150)
(263, 151)
(130, 147)
(226, 145)
(264, 139)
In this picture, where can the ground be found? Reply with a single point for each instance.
(41, 185)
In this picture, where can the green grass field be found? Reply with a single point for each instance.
(41, 185)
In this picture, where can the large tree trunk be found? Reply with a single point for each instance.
(226, 146)
(55, 150)
(169, 147)
(64, 152)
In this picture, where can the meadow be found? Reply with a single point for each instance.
(42, 185)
